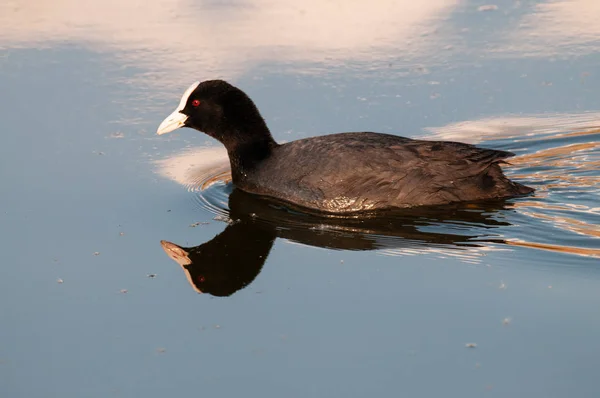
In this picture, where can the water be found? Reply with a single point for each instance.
(493, 299)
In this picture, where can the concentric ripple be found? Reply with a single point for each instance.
(205, 172)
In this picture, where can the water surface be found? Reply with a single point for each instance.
(110, 232)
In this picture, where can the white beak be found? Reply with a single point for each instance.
(177, 119)
(174, 121)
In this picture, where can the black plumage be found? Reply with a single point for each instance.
(346, 172)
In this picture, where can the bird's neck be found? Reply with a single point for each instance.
(247, 151)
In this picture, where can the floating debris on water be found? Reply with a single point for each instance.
(161, 350)
(506, 321)
(488, 7)
(59, 280)
(502, 285)
(194, 225)
(121, 233)
(123, 291)
(151, 275)
(471, 345)
(96, 253)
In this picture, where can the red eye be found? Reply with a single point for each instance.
(195, 103)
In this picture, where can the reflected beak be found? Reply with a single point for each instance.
(174, 121)
(177, 253)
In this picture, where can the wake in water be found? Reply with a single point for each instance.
(559, 155)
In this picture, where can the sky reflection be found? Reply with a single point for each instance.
(567, 27)
(178, 41)
(226, 40)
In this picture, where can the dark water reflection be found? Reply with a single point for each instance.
(232, 259)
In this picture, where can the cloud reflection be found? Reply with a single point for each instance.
(519, 128)
(177, 41)
(226, 38)
(562, 27)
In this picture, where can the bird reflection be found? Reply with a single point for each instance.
(227, 263)
(232, 259)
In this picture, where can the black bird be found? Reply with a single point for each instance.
(341, 173)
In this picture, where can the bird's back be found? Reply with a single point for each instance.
(353, 172)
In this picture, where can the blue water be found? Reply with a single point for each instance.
(496, 300)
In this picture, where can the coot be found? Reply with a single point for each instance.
(339, 173)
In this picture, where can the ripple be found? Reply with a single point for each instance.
(560, 157)
(203, 170)
(557, 248)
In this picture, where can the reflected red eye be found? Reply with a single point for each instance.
(195, 103)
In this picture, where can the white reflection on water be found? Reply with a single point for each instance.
(516, 127)
(225, 39)
(562, 27)
(211, 38)
(196, 168)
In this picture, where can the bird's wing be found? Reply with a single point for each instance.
(414, 172)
